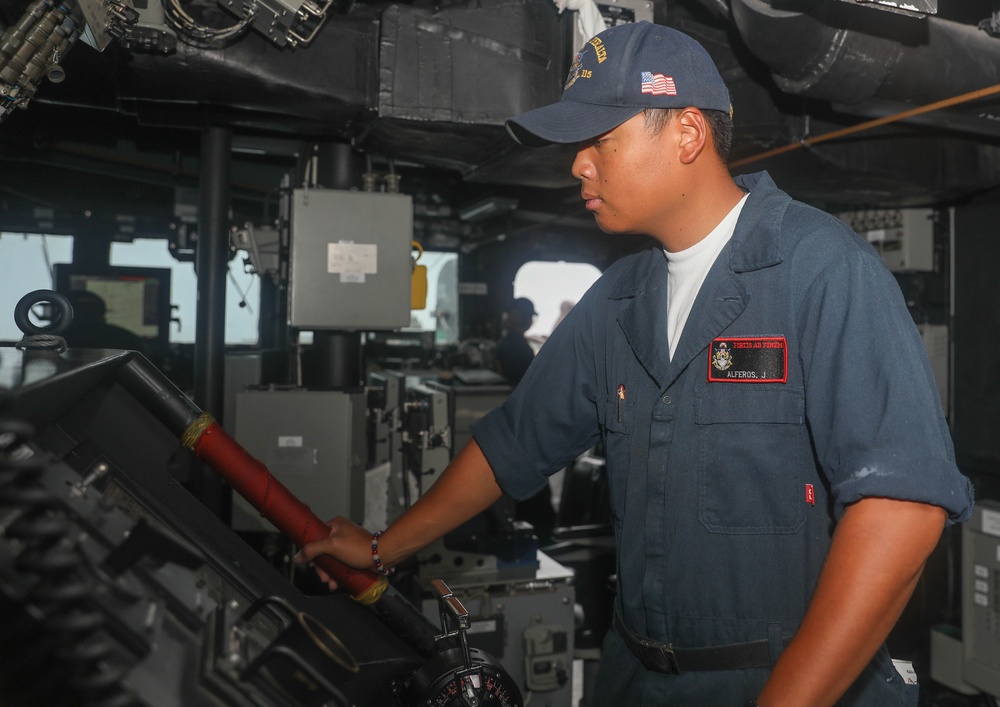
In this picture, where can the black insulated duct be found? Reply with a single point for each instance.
(820, 51)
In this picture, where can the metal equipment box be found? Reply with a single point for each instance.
(903, 237)
(981, 597)
(350, 260)
(313, 442)
(468, 403)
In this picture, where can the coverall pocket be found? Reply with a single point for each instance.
(880, 685)
(754, 449)
(617, 424)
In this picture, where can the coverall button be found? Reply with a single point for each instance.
(667, 400)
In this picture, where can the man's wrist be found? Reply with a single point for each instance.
(377, 558)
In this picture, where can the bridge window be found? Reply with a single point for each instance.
(554, 288)
(27, 263)
(241, 322)
(441, 313)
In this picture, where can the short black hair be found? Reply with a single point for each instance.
(719, 122)
(86, 304)
(524, 307)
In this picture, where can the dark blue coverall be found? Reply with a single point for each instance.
(800, 385)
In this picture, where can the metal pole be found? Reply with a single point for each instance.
(337, 360)
(211, 261)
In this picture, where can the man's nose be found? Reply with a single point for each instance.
(583, 166)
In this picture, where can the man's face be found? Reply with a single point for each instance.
(629, 177)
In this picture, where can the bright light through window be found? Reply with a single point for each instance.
(27, 261)
(441, 313)
(241, 322)
(552, 288)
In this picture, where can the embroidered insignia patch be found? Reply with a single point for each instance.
(574, 72)
(748, 360)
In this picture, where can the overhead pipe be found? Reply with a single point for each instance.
(813, 53)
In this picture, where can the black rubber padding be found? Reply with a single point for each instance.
(62, 313)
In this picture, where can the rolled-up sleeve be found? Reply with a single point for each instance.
(872, 404)
(551, 416)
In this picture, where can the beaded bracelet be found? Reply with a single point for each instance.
(379, 567)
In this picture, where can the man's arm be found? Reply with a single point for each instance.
(879, 549)
(465, 488)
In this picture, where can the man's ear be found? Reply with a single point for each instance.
(694, 134)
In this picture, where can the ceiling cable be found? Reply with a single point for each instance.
(896, 117)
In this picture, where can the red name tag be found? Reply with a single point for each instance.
(748, 360)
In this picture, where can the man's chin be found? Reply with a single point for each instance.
(611, 229)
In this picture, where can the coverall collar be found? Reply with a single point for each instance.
(722, 298)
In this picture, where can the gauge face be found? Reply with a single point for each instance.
(489, 689)
(445, 681)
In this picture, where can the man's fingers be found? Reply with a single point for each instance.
(305, 554)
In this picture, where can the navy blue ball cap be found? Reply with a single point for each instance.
(619, 73)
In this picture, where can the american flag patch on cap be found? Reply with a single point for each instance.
(658, 84)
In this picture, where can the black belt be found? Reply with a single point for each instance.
(665, 658)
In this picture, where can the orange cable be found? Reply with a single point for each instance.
(929, 108)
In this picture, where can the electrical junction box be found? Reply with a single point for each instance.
(904, 237)
(313, 442)
(350, 260)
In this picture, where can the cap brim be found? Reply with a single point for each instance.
(567, 122)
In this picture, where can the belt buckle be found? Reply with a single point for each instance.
(659, 657)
